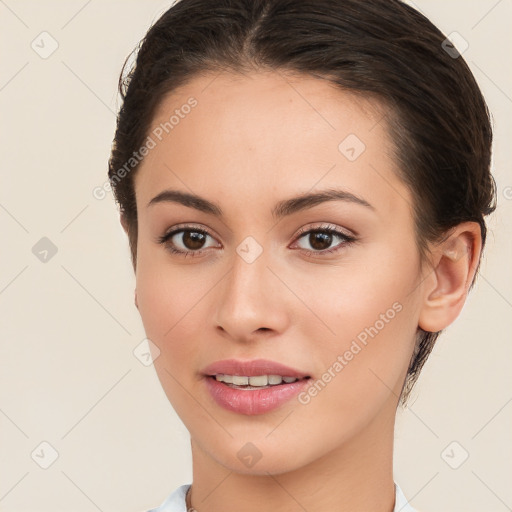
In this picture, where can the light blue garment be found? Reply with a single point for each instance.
(175, 502)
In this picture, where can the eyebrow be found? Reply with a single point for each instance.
(281, 209)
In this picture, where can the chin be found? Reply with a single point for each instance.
(261, 456)
(274, 465)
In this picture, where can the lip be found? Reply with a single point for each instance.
(252, 368)
(252, 401)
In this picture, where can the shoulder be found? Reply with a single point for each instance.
(401, 503)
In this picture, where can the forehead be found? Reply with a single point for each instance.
(269, 132)
(246, 103)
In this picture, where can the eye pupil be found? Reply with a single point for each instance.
(325, 240)
(193, 239)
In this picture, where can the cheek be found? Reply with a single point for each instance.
(372, 308)
(369, 284)
(170, 301)
(171, 306)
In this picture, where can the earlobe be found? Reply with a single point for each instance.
(455, 261)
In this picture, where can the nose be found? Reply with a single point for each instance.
(252, 301)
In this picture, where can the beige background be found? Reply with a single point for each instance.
(69, 376)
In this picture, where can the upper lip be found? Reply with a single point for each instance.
(252, 368)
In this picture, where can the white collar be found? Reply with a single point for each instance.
(175, 502)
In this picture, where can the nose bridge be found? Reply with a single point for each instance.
(249, 299)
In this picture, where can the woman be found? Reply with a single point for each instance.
(304, 186)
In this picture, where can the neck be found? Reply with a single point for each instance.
(355, 476)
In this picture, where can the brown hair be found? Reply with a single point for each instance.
(437, 116)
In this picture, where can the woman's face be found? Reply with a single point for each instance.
(266, 281)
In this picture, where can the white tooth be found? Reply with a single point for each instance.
(228, 379)
(219, 376)
(258, 380)
(289, 379)
(274, 379)
(240, 380)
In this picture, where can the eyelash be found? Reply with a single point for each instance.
(328, 228)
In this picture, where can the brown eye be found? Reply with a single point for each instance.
(187, 242)
(320, 240)
(193, 240)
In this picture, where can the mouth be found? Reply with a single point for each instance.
(253, 387)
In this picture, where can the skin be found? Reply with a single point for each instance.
(250, 142)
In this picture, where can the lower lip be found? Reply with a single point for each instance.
(253, 401)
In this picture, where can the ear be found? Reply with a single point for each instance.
(454, 263)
